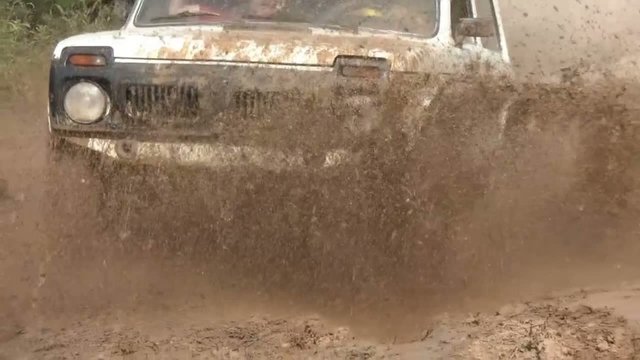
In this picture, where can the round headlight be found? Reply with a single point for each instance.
(86, 102)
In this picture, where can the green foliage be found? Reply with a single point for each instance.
(29, 29)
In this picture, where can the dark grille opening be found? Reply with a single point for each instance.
(342, 91)
(147, 102)
(250, 103)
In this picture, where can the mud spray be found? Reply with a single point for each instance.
(455, 224)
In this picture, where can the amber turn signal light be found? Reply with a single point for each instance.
(87, 60)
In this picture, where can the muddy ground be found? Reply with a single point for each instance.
(534, 259)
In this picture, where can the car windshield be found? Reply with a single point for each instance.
(409, 16)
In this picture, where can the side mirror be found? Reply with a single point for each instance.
(474, 27)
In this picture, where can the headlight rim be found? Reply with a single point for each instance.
(107, 108)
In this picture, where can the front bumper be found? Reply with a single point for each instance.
(210, 155)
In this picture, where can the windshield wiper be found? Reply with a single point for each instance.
(340, 27)
(185, 14)
(256, 24)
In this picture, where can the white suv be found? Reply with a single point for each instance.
(271, 83)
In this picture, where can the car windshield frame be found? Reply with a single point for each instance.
(258, 23)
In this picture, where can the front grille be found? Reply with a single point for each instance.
(251, 103)
(150, 102)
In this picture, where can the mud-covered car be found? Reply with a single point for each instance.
(271, 83)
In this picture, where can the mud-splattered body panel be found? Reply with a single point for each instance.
(270, 106)
(286, 87)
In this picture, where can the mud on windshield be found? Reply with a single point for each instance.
(408, 16)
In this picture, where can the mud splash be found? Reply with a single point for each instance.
(456, 212)
(454, 223)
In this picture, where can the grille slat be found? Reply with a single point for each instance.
(149, 103)
(162, 104)
(251, 103)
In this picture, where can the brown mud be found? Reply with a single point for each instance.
(412, 256)
(196, 264)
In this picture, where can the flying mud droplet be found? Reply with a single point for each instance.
(4, 189)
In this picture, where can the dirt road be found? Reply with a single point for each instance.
(573, 326)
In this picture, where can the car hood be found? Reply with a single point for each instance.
(311, 47)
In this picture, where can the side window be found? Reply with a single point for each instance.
(484, 8)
